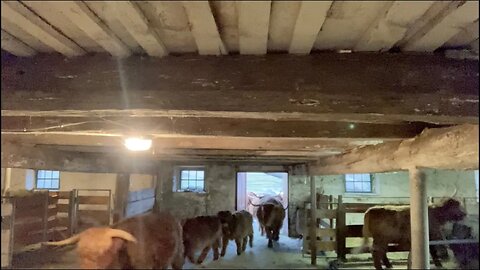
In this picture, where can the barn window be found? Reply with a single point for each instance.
(358, 183)
(192, 179)
(48, 180)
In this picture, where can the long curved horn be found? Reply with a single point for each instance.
(69, 241)
(121, 234)
(256, 205)
(285, 207)
(454, 192)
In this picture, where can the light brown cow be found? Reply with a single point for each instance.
(238, 227)
(391, 224)
(140, 242)
(202, 233)
(270, 215)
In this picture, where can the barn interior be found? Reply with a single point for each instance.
(332, 106)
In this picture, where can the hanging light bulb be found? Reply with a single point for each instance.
(138, 144)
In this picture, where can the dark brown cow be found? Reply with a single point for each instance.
(238, 227)
(149, 241)
(391, 224)
(270, 215)
(202, 233)
(465, 254)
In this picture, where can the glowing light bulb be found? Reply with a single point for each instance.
(138, 144)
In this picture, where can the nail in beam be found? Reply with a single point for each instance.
(418, 220)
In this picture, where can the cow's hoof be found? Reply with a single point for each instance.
(270, 244)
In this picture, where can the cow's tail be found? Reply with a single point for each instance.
(365, 247)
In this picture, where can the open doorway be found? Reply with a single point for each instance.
(254, 185)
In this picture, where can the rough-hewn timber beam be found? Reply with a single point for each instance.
(192, 142)
(443, 148)
(348, 84)
(18, 156)
(213, 126)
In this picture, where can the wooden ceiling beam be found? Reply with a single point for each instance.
(14, 46)
(193, 142)
(79, 13)
(311, 17)
(133, 19)
(363, 84)
(448, 27)
(204, 28)
(213, 127)
(464, 37)
(18, 14)
(392, 25)
(443, 148)
(253, 25)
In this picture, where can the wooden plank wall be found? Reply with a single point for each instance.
(140, 202)
(63, 225)
(7, 229)
(92, 210)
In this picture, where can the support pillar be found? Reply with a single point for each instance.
(313, 220)
(418, 220)
(121, 196)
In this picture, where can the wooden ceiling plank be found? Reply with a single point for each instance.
(18, 14)
(227, 17)
(79, 13)
(345, 23)
(25, 37)
(59, 21)
(133, 19)
(282, 23)
(445, 29)
(253, 24)
(392, 25)
(204, 28)
(310, 19)
(466, 36)
(14, 46)
(453, 148)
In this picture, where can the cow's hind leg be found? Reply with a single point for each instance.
(269, 237)
(224, 245)
(244, 243)
(238, 242)
(203, 255)
(250, 241)
(435, 258)
(386, 261)
(215, 247)
(379, 252)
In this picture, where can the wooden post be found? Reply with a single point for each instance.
(340, 229)
(45, 218)
(313, 221)
(71, 212)
(418, 220)
(121, 196)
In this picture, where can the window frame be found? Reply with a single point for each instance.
(178, 179)
(50, 179)
(373, 188)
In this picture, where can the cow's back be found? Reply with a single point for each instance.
(243, 223)
(390, 224)
(202, 230)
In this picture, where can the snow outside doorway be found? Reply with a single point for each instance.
(257, 184)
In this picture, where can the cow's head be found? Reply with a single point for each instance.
(227, 219)
(450, 210)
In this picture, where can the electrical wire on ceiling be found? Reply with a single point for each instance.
(72, 124)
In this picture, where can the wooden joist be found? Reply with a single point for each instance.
(14, 46)
(88, 22)
(311, 17)
(133, 19)
(253, 25)
(16, 13)
(204, 28)
(448, 27)
(443, 148)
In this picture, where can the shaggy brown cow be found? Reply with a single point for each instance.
(465, 254)
(391, 224)
(238, 227)
(202, 233)
(270, 215)
(140, 242)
